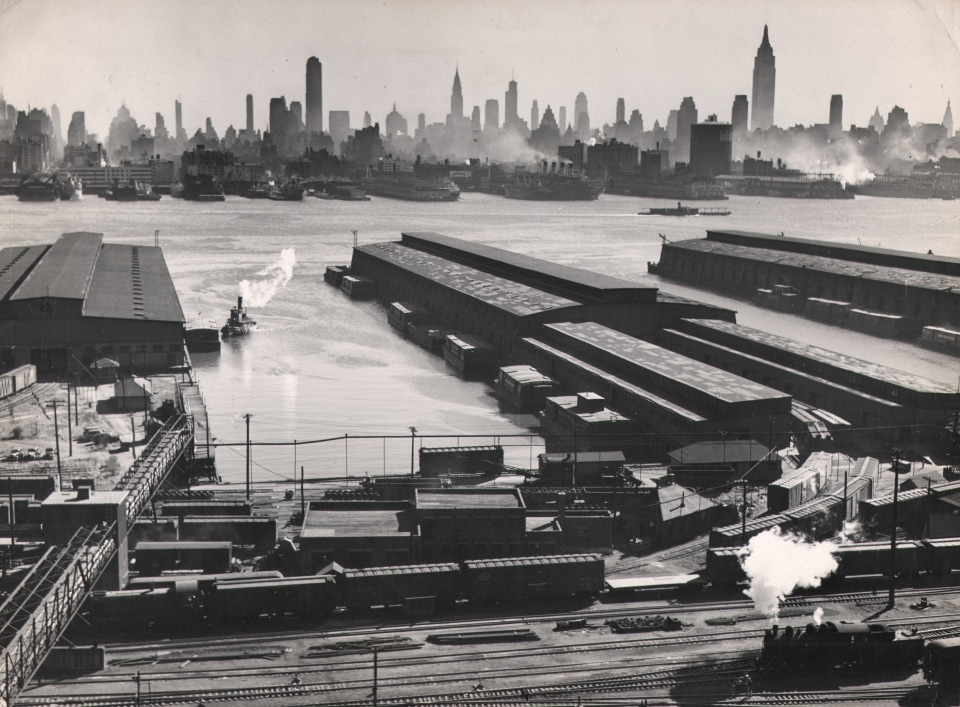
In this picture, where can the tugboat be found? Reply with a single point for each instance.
(239, 324)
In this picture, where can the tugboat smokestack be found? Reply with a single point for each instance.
(240, 302)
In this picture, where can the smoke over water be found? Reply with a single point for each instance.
(776, 564)
(258, 292)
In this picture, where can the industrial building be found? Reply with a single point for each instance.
(65, 306)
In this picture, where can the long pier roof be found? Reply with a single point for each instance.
(904, 277)
(516, 298)
(65, 270)
(581, 285)
(15, 263)
(875, 371)
(713, 382)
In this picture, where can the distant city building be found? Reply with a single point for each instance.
(764, 85)
(364, 147)
(581, 117)
(395, 124)
(898, 124)
(711, 147)
(612, 156)
(876, 121)
(621, 111)
(534, 114)
(314, 95)
(475, 119)
(562, 117)
(686, 117)
(250, 113)
(836, 115)
(672, 125)
(740, 115)
(339, 125)
(367, 120)
(57, 134)
(77, 131)
(511, 118)
(178, 121)
(491, 115)
(456, 99)
(296, 116)
(947, 121)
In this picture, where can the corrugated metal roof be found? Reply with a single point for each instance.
(430, 498)
(132, 282)
(65, 270)
(533, 561)
(14, 264)
(401, 570)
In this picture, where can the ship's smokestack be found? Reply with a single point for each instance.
(239, 302)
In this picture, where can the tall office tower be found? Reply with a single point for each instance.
(510, 116)
(581, 117)
(209, 133)
(836, 115)
(621, 111)
(278, 112)
(764, 84)
(475, 118)
(876, 121)
(711, 147)
(314, 95)
(77, 130)
(562, 112)
(395, 124)
(740, 115)
(339, 124)
(178, 120)
(947, 121)
(686, 117)
(250, 113)
(296, 116)
(456, 98)
(421, 123)
(160, 128)
(367, 120)
(491, 115)
(534, 115)
(57, 134)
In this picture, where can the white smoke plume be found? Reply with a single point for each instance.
(851, 532)
(818, 615)
(776, 564)
(258, 292)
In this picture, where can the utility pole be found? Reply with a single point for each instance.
(56, 431)
(303, 497)
(893, 529)
(413, 436)
(133, 437)
(743, 512)
(247, 417)
(69, 423)
(376, 657)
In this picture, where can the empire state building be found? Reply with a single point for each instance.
(764, 83)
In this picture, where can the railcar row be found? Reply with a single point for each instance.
(840, 645)
(937, 558)
(416, 589)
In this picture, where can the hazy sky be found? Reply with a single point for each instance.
(91, 55)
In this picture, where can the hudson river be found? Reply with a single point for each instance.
(320, 366)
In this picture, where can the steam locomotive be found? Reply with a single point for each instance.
(839, 644)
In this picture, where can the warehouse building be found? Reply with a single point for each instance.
(65, 306)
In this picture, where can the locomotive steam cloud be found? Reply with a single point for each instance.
(272, 278)
(776, 564)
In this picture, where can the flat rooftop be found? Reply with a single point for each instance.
(350, 523)
(841, 361)
(826, 264)
(573, 282)
(65, 270)
(646, 357)
(433, 498)
(515, 298)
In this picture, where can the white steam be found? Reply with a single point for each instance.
(273, 277)
(818, 615)
(776, 564)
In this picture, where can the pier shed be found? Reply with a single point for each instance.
(357, 534)
(460, 524)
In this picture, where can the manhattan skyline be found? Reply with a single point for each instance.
(95, 55)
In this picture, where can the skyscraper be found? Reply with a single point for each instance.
(563, 118)
(475, 119)
(339, 124)
(57, 135)
(178, 121)
(296, 116)
(764, 84)
(581, 117)
(456, 98)
(740, 115)
(314, 115)
(77, 130)
(250, 113)
(686, 117)
(947, 121)
(621, 111)
(711, 147)
(510, 116)
(491, 115)
(836, 115)
(534, 115)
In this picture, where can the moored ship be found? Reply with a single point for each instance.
(552, 186)
(202, 187)
(202, 339)
(239, 323)
(69, 187)
(398, 181)
(38, 187)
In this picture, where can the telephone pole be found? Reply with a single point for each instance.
(56, 431)
(893, 529)
(247, 417)
(413, 436)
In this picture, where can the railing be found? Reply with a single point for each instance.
(156, 458)
(43, 604)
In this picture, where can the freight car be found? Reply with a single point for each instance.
(204, 581)
(941, 664)
(839, 644)
(800, 486)
(139, 608)
(394, 586)
(291, 596)
(521, 579)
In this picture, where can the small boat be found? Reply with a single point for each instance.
(239, 324)
(682, 210)
(638, 624)
(202, 339)
(38, 187)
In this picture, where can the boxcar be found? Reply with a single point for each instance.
(334, 274)
(293, 596)
(943, 556)
(472, 358)
(528, 578)
(790, 491)
(143, 607)
(358, 287)
(392, 586)
(155, 557)
(203, 581)
(941, 664)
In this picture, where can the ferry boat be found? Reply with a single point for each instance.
(38, 187)
(398, 180)
(70, 187)
(682, 210)
(202, 187)
(239, 323)
(552, 186)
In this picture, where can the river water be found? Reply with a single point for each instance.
(320, 366)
